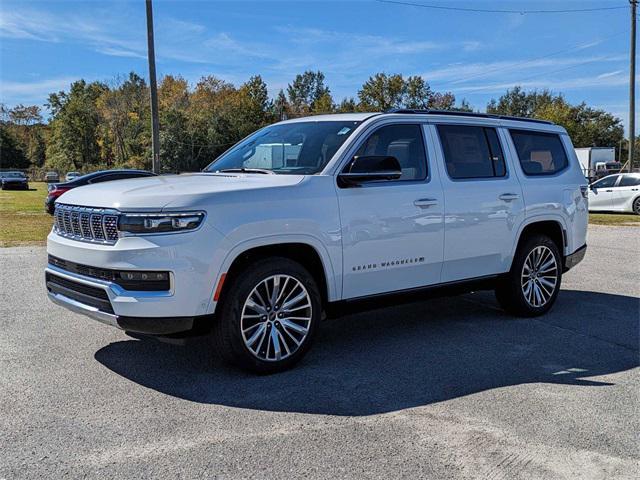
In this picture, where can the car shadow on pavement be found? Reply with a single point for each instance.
(406, 356)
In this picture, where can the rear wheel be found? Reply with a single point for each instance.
(268, 316)
(636, 206)
(532, 285)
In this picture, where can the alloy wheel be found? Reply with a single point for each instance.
(539, 276)
(276, 317)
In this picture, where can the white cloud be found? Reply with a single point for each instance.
(616, 79)
(105, 37)
(33, 91)
(460, 72)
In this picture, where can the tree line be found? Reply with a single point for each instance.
(96, 125)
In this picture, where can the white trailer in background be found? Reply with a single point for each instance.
(597, 162)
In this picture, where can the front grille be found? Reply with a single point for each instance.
(86, 224)
(85, 294)
(115, 276)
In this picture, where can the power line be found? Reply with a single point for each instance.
(487, 10)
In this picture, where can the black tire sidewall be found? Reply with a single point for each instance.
(510, 292)
(233, 347)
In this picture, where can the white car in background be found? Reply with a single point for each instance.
(71, 176)
(616, 193)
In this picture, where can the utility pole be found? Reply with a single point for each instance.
(153, 86)
(632, 86)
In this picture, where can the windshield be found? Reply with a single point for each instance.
(12, 174)
(302, 148)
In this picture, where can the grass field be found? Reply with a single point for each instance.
(23, 220)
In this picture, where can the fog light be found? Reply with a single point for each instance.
(144, 281)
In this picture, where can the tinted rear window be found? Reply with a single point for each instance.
(539, 153)
(471, 152)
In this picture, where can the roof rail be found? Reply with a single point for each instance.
(466, 114)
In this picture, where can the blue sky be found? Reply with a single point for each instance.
(46, 45)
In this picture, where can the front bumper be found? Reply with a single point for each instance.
(189, 258)
(15, 185)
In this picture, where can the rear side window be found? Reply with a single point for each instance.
(629, 181)
(471, 152)
(539, 153)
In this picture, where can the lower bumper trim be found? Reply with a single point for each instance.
(184, 326)
(575, 258)
(88, 310)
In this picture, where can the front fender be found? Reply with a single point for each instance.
(329, 264)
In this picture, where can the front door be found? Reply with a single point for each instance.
(392, 230)
(483, 202)
(601, 193)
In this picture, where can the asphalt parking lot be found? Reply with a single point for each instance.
(446, 388)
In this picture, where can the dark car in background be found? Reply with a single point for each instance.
(16, 180)
(55, 190)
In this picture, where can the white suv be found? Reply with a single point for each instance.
(318, 215)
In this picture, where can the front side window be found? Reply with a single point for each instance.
(629, 181)
(539, 153)
(302, 148)
(606, 182)
(471, 151)
(404, 143)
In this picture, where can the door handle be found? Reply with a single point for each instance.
(508, 197)
(425, 202)
(609, 191)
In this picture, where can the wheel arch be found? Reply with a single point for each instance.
(553, 227)
(309, 252)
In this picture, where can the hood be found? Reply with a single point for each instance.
(153, 193)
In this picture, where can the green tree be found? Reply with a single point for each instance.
(347, 105)
(518, 103)
(11, 155)
(306, 91)
(587, 127)
(73, 138)
(281, 107)
(124, 131)
(25, 125)
(382, 92)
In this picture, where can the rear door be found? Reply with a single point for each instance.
(483, 201)
(627, 188)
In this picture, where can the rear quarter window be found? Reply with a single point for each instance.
(540, 153)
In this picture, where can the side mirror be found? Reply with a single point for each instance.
(592, 188)
(370, 169)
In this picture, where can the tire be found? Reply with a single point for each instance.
(243, 333)
(532, 294)
(636, 206)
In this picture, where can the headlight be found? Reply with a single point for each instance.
(146, 223)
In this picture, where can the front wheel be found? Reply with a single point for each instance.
(268, 316)
(636, 206)
(532, 285)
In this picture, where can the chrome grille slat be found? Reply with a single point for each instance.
(84, 225)
(97, 225)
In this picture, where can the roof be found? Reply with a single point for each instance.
(359, 117)
(334, 117)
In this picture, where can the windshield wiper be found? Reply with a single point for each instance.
(247, 170)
